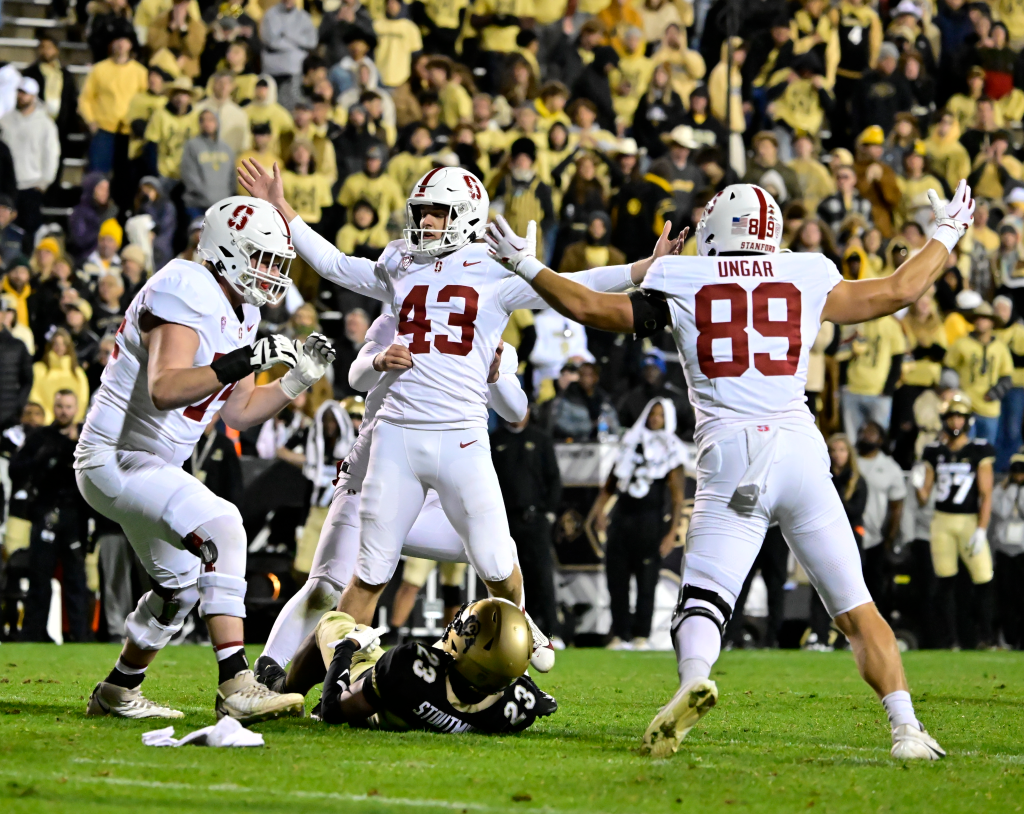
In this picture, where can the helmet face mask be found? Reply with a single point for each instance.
(958, 405)
(741, 219)
(249, 243)
(465, 199)
(491, 643)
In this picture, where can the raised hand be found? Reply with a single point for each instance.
(313, 359)
(665, 246)
(260, 182)
(504, 245)
(958, 214)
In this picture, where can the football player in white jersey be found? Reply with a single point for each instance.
(453, 302)
(377, 366)
(744, 317)
(186, 351)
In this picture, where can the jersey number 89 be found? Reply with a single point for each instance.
(741, 303)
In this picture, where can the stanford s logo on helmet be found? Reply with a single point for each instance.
(467, 202)
(249, 243)
(743, 219)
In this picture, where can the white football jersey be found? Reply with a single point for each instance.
(744, 327)
(451, 312)
(122, 415)
(380, 335)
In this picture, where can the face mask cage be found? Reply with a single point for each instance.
(266, 277)
(416, 236)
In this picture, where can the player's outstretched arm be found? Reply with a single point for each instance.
(354, 273)
(609, 312)
(854, 301)
(504, 393)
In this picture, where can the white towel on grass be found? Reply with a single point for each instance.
(226, 732)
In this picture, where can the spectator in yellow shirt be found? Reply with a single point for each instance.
(364, 235)
(59, 370)
(374, 185)
(261, 149)
(104, 102)
(441, 20)
(412, 164)
(499, 23)
(875, 352)
(985, 368)
(142, 107)
(172, 126)
(456, 103)
(398, 39)
(323, 150)
(182, 33)
(264, 108)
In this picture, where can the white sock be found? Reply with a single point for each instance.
(227, 651)
(127, 669)
(900, 709)
(296, 621)
(698, 644)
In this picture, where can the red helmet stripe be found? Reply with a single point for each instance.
(426, 180)
(761, 221)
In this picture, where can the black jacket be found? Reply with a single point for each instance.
(15, 377)
(593, 85)
(45, 466)
(639, 211)
(219, 468)
(655, 116)
(527, 471)
(880, 98)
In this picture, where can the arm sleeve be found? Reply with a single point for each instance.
(515, 292)
(354, 273)
(506, 396)
(381, 333)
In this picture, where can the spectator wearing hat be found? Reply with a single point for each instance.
(58, 369)
(373, 185)
(12, 236)
(32, 138)
(172, 126)
(104, 102)
(995, 169)
(288, 36)
(906, 31)
(104, 258)
(15, 364)
(16, 286)
(595, 249)
(639, 210)
(234, 124)
(659, 109)
(207, 167)
(182, 33)
(997, 58)
(264, 109)
(860, 41)
(676, 168)
(77, 317)
(58, 91)
(946, 155)
(654, 383)
(399, 38)
(766, 159)
(979, 135)
(141, 109)
(526, 197)
(152, 199)
(985, 367)
(876, 182)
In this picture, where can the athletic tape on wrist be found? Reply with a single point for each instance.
(529, 267)
(292, 384)
(948, 236)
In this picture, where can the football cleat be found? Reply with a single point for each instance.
(674, 720)
(618, 644)
(269, 673)
(910, 742)
(120, 702)
(249, 702)
(543, 656)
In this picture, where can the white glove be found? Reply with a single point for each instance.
(512, 251)
(531, 238)
(273, 350)
(313, 359)
(977, 542)
(952, 219)
(366, 637)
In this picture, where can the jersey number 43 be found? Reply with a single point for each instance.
(413, 319)
(742, 304)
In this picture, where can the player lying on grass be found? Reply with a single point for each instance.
(473, 682)
(744, 317)
(453, 302)
(186, 352)
(378, 366)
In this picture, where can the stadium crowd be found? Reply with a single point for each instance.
(599, 119)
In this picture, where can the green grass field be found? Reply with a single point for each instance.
(792, 731)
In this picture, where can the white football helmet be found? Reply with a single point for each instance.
(467, 202)
(742, 218)
(249, 243)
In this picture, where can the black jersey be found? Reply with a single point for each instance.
(956, 474)
(409, 682)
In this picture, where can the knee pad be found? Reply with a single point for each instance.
(222, 582)
(695, 601)
(159, 615)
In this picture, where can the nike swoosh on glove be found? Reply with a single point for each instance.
(952, 219)
(512, 251)
(314, 357)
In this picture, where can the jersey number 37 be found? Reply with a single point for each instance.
(743, 304)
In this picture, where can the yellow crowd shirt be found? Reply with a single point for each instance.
(503, 39)
(407, 169)
(108, 92)
(170, 132)
(279, 119)
(265, 159)
(1013, 338)
(445, 13)
(382, 193)
(456, 104)
(979, 367)
(397, 41)
(877, 342)
(350, 237)
(307, 194)
(141, 108)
